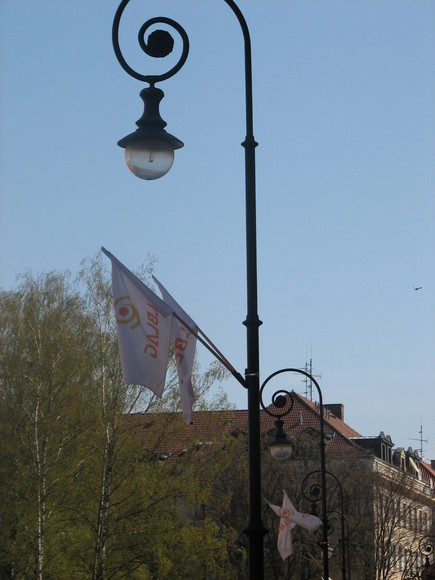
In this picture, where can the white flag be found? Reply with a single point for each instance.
(289, 518)
(144, 329)
(307, 521)
(285, 545)
(184, 346)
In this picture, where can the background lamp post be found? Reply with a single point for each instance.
(151, 143)
(426, 549)
(281, 398)
(280, 445)
(312, 491)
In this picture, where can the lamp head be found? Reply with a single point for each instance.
(281, 447)
(149, 151)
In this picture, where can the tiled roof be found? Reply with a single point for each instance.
(163, 433)
(427, 472)
(305, 415)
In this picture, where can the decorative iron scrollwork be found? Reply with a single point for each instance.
(159, 44)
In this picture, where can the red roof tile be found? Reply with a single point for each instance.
(427, 472)
(162, 432)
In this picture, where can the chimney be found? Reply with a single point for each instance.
(432, 463)
(336, 409)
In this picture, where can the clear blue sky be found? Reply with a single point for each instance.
(344, 104)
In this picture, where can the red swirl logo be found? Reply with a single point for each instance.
(126, 312)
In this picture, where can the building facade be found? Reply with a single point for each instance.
(384, 493)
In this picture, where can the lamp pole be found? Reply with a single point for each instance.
(149, 154)
(278, 401)
(345, 538)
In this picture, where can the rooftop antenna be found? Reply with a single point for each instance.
(421, 441)
(308, 382)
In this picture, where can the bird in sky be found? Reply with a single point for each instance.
(417, 287)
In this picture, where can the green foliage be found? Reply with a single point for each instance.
(79, 497)
(43, 332)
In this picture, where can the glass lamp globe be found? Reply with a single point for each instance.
(281, 450)
(280, 445)
(149, 158)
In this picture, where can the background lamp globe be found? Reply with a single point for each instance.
(149, 158)
(281, 450)
(280, 446)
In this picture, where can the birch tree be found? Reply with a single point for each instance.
(140, 519)
(80, 497)
(42, 328)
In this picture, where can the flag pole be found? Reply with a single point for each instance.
(205, 341)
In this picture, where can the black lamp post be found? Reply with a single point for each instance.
(426, 549)
(313, 492)
(278, 400)
(149, 154)
(345, 539)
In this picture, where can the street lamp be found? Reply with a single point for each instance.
(313, 492)
(425, 549)
(149, 151)
(277, 400)
(281, 447)
(151, 143)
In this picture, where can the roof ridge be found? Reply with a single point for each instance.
(427, 466)
(312, 407)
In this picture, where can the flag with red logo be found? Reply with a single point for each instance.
(144, 324)
(184, 341)
(285, 544)
(290, 517)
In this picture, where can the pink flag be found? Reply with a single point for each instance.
(184, 342)
(307, 521)
(285, 545)
(144, 324)
(289, 518)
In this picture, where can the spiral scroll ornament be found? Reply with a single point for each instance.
(425, 546)
(312, 491)
(426, 549)
(282, 400)
(149, 150)
(159, 44)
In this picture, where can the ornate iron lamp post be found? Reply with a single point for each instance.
(149, 155)
(313, 492)
(426, 549)
(279, 400)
